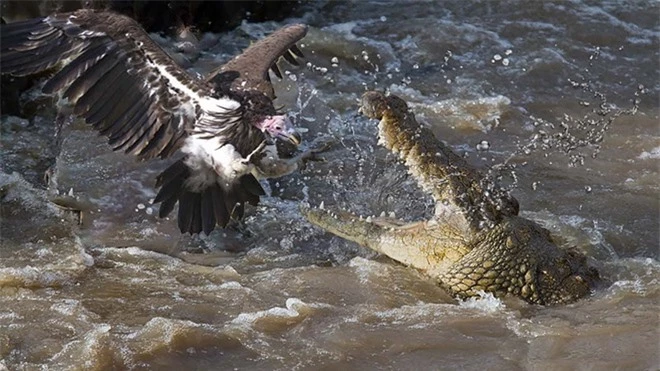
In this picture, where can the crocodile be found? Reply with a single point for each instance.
(475, 242)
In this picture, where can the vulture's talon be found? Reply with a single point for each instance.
(313, 156)
(322, 144)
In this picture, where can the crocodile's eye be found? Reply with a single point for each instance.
(563, 267)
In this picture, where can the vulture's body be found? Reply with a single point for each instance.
(130, 90)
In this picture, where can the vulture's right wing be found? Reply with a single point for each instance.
(115, 76)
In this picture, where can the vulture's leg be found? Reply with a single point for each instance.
(273, 166)
(242, 166)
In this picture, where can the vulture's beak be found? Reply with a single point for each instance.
(292, 136)
(281, 127)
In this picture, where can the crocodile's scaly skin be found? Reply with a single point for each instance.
(476, 241)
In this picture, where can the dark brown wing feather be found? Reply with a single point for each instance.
(253, 64)
(116, 77)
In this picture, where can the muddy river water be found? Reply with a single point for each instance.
(125, 291)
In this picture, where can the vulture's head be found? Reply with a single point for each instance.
(260, 112)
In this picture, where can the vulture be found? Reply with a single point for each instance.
(223, 127)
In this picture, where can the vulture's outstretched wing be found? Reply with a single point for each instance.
(249, 70)
(130, 90)
(115, 76)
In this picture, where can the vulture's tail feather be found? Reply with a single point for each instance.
(201, 211)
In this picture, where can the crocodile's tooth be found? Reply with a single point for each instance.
(322, 206)
(361, 218)
(368, 219)
(392, 214)
(382, 214)
(71, 191)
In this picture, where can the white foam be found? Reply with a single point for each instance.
(486, 302)
(293, 306)
(653, 154)
(231, 285)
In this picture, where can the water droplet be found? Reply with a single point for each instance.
(383, 18)
(334, 60)
(415, 66)
(505, 61)
(508, 52)
(484, 145)
(587, 189)
(497, 57)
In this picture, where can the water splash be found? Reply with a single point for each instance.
(577, 138)
(485, 302)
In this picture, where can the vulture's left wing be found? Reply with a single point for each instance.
(249, 70)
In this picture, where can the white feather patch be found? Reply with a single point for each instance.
(207, 104)
(211, 161)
